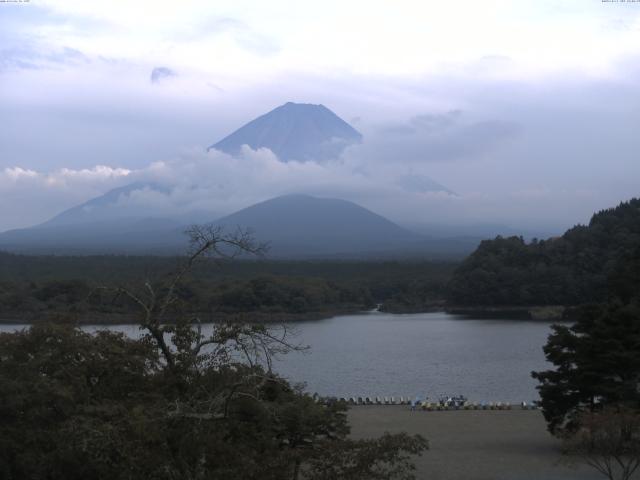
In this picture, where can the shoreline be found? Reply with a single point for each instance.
(107, 319)
(525, 312)
(510, 312)
(531, 313)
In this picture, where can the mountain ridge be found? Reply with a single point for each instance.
(294, 131)
(101, 207)
(296, 226)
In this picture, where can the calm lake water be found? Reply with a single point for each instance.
(380, 354)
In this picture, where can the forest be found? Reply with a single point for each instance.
(39, 288)
(569, 270)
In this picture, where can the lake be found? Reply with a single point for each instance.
(381, 354)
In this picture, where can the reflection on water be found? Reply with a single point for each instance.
(418, 354)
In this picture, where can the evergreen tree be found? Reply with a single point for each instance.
(573, 269)
(597, 363)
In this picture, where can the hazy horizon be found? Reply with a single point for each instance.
(531, 125)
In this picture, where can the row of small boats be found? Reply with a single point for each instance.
(458, 402)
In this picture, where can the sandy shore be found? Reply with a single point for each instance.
(475, 445)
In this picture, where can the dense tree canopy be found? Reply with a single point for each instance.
(40, 288)
(77, 406)
(569, 270)
(263, 294)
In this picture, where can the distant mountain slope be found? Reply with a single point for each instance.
(294, 131)
(109, 206)
(105, 224)
(295, 226)
(579, 267)
(118, 235)
(302, 224)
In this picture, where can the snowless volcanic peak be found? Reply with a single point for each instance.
(302, 224)
(294, 131)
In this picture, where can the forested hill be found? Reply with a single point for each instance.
(586, 264)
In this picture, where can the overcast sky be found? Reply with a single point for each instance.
(528, 111)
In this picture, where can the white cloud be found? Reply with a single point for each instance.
(64, 178)
(30, 197)
(16, 173)
(512, 105)
(249, 41)
(196, 180)
(219, 184)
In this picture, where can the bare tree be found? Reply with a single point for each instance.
(179, 404)
(180, 339)
(609, 441)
